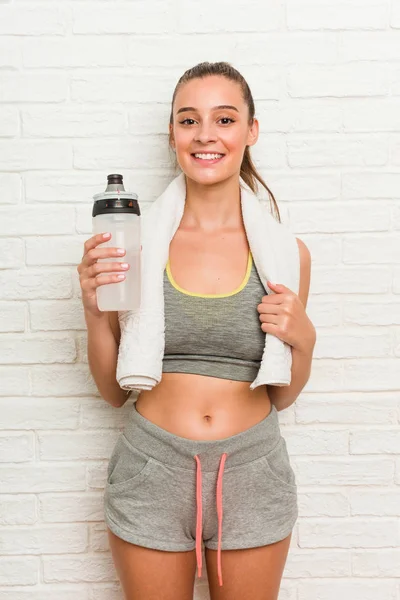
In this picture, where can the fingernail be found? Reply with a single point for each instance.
(106, 235)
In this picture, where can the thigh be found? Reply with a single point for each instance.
(147, 574)
(250, 574)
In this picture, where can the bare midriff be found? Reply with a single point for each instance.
(201, 407)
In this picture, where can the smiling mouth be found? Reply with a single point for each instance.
(207, 161)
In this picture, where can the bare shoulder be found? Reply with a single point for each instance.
(114, 324)
(305, 271)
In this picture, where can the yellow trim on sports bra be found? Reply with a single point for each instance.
(187, 293)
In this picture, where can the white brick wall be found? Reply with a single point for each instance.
(85, 90)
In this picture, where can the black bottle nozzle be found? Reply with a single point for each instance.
(112, 201)
(115, 183)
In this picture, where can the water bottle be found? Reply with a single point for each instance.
(117, 212)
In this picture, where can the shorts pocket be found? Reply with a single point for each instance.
(277, 464)
(128, 466)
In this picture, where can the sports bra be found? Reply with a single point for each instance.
(218, 335)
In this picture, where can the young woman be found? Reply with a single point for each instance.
(164, 487)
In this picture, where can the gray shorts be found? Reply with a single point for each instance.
(172, 493)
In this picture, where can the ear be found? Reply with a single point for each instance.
(253, 133)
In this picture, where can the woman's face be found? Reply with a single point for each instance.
(200, 127)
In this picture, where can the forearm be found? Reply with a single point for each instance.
(284, 396)
(102, 352)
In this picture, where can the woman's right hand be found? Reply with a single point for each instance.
(89, 268)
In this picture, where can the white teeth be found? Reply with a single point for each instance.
(208, 156)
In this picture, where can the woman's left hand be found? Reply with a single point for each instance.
(283, 314)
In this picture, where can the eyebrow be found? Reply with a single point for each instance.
(186, 108)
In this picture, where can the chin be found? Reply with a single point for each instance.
(207, 178)
(207, 175)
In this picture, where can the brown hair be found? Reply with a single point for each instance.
(247, 169)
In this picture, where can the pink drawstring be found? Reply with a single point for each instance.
(200, 515)
(219, 512)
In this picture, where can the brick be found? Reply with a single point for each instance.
(348, 280)
(45, 593)
(338, 151)
(38, 220)
(35, 349)
(348, 589)
(17, 447)
(72, 380)
(314, 15)
(95, 87)
(10, 52)
(25, 154)
(128, 17)
(323, 504)
(27, 19)
(9, 121)
(307, 564)
(42, 539)
(369, 502)
(33, 87)
(375, 249)
(344, 470)
(49, 250)
(381, 374)
(63, 122)
(63, 186)
(17, 510)
(375, 441)
(348, 533)
(39, 413)
(58, 315)
(371, 184)
(15, 570)
(241, 19)
(76, 51)
(35, 284)
(353, 344)
(373, 563)
(14, 381)
(123, 153)
(67, 508)
(356, 408)
(80, 446)
(380, 311)
(11, 189)
(12, 255)
(90, 569)
(43, 477)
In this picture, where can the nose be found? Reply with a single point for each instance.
(205, 133)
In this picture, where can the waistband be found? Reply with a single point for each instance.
(175, 450)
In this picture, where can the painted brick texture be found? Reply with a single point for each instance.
(85, 90)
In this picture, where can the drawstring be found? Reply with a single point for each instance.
(200, 515)
(219, 512)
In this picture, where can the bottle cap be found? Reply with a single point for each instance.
(115, 199)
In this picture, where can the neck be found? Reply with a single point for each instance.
(212, 207)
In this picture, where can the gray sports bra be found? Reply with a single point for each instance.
(218, 335)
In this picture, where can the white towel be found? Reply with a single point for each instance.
(276, 257)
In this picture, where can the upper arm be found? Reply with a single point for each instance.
(114, 323)
(305, 271)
